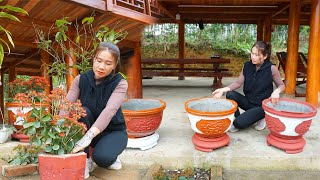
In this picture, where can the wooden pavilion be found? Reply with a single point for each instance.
(134, 15)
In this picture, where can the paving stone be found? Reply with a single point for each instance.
(216, 173)
(123, 174)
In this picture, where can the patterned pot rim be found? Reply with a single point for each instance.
(15, 104)
(210, 114)
(292, 114)
(144, 112)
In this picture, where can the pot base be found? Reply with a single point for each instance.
(21, 137)
(143, 143)
(290, 146)
(208, 144)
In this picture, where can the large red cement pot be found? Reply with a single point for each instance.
(142, 116)
(288, 121)
(61, 167)
(210, 119)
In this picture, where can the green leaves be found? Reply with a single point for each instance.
(7, 15)
(88, 20)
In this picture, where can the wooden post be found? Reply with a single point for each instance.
(2, 93)
(293, 45)
(181, 48)
(12, 75)
(45, 59)
(267, 29)
(134, 74)
(260, 30)
(314, 55)
(70, 61)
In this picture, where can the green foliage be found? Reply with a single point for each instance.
(25, 155)
(84, 43)
(7, 15)
(54, 133)
(224, 39)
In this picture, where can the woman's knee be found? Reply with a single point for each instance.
(231, 95)
(238, 124)
(103, 159)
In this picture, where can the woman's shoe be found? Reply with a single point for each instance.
(117, 165)
(89, 167)
(260, 125)
(233, 129)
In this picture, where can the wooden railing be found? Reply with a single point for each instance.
(148, 7)
(214, 69)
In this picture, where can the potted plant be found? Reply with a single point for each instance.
(25, 93)
(83, 42)
(57, 134)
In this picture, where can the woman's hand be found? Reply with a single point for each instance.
(85, 140)
(219, 92)
(275, 96)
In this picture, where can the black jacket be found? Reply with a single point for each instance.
(95, 97)
(258, 85)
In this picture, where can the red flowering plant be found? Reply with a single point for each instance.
(33, 87)
(52, 129)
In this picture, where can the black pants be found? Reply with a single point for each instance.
(252, 114)
(107, 145)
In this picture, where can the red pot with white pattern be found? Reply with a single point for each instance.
(288, 121)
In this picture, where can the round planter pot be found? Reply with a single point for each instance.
(288, 121)
(210, 119)
(17, 121)
(143, 117)
(4, 134)
(61, 167)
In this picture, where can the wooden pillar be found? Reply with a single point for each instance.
(293, 47)
(181, 47)
(45, 59)
(313, 74)
(70, 61)
(267, 29)
(12, 74)
(260, 30)
(134, 74)
(2, 94)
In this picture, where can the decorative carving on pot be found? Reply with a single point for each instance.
(288, 121)
(210, 119)
(14, 108)
(143, 117)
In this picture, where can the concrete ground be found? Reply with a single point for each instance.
(247, 157)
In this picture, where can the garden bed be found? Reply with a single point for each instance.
(156, 172)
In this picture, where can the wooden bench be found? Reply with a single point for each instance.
(216, 72)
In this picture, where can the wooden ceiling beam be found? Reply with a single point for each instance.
(29, 20)
(221, 21)
(97, 5)
(29, 73)
(225, 10)
(21, 43)
(23, 69)
(162, 7)
(28, 55)
(196, 17)
(281, 9)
